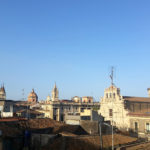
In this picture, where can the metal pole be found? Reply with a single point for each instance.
(112, 84)
(112, 133)
(100, 133)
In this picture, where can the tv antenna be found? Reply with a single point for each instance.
(112, 76)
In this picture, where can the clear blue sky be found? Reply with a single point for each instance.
(74, 42)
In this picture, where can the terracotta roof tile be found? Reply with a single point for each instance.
(136, 99)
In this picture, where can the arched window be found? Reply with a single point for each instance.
(110, 95)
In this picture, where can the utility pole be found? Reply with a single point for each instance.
(100, 133)
(112, 84)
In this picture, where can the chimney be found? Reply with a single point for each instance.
(148, 90)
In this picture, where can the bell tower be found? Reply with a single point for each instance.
(55, 93)
(2, 93)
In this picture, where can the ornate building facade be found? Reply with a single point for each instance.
(126, 112)
(112, 108)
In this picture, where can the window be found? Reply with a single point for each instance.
(82, 109)
(110, 95)
(110, 112)
(136, 126)
(85, 118)
(147, 127)
(114, 95)
(106, 95)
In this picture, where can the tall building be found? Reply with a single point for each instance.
(55, 93)
(2, 93)
(32, 98)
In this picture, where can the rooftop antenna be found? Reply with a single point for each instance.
(112, 76)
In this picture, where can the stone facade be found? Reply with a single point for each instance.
(126, 112)
(112, 108)
(140, 125)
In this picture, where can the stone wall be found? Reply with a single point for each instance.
(141, 123)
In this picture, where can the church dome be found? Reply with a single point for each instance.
(32, 97)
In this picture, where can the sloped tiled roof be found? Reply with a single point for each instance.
(136, 99)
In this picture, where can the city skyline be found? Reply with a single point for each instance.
(74, 44)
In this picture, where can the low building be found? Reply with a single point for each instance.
(89, 120)
(29, 113)
(6, 108)
(76, 118)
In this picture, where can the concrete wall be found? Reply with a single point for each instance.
(73, 122)
(72, 119)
